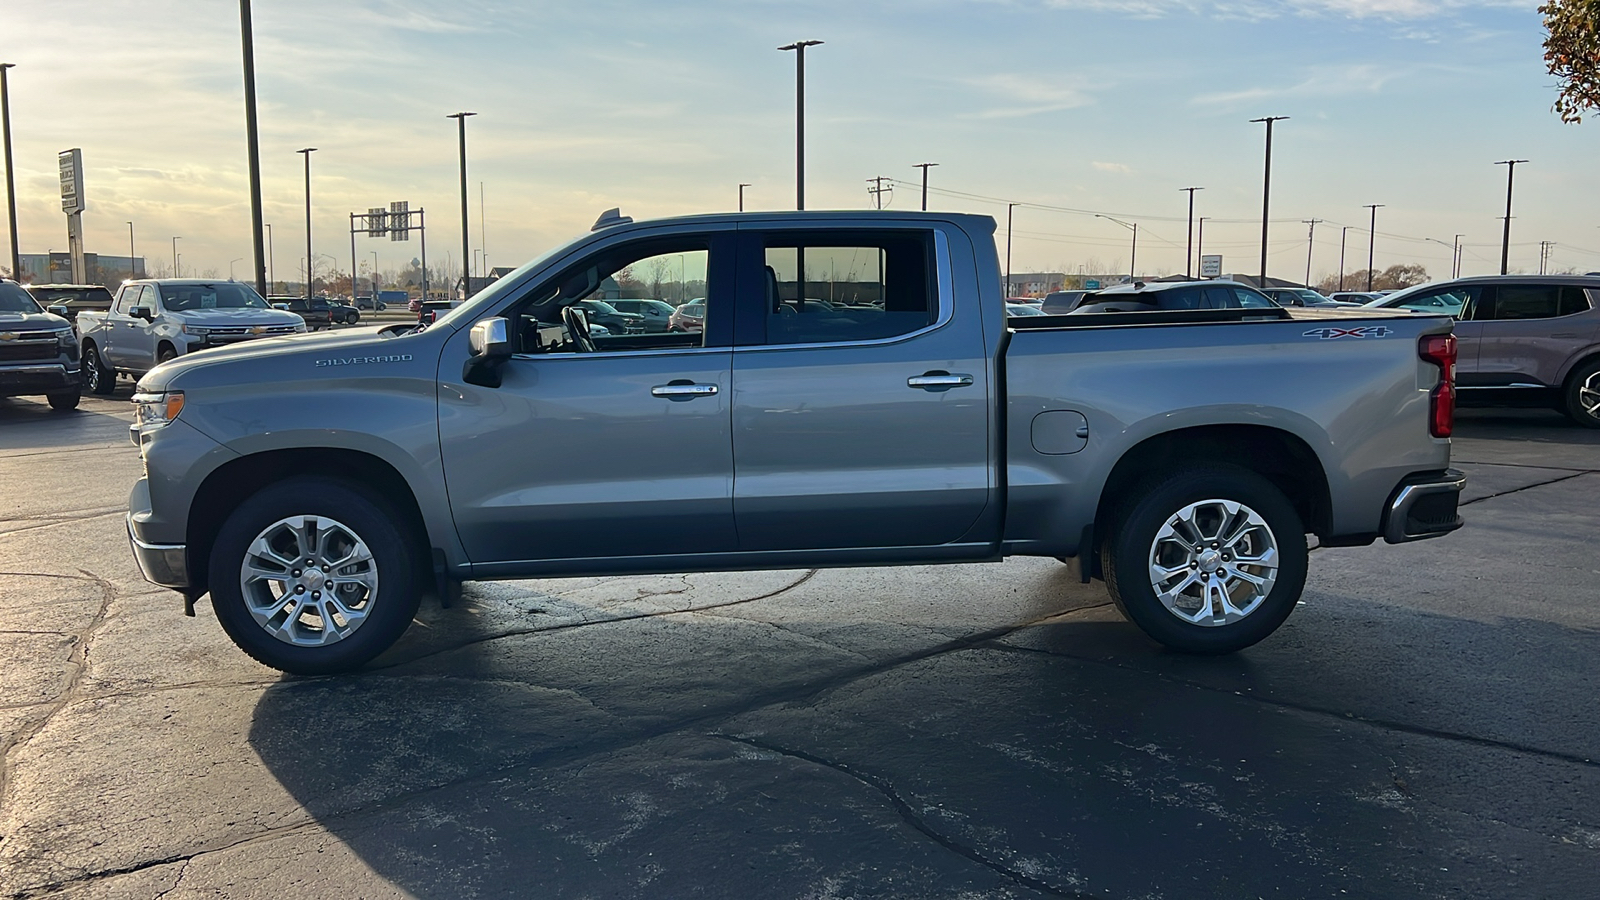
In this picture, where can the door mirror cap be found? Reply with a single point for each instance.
(490, 339)
(141, 312)
(61, 311)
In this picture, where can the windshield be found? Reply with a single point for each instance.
(1311, 296)
(47, 295)
(599, 306)
(227, 295)
(16, 300)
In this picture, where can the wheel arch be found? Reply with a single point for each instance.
(1579, 360)
(231, 483)
(1280, 456)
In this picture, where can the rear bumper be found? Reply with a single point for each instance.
(165, 565)
(1424, 506)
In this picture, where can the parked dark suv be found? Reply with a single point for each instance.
(1144, 296)
(75, 297)
(1523, 338)
(319, 312)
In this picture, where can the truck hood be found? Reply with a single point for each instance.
(342, 344)
(224, 318)
(12, 321)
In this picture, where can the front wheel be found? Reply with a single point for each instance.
(1208, 560)
(66, 401)
(1583, 395)
(101, 379)
(313, 576)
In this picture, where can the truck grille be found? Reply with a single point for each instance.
(245, 333)
(30, 347)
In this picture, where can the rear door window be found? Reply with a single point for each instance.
(842, 287)
(1526, 301)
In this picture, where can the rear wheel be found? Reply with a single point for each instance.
(312, 576)
(101, 380)
(1582, 395)
(65, 401)
(1208, 560)
(165, 353)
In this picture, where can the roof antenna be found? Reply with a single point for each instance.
(610, 217)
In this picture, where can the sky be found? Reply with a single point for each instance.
(1069, 107)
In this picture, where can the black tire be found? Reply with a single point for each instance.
(1127, 551)
(165, 353)
(66, 401)
(394, 557)
(1582, 394)
(100, 379)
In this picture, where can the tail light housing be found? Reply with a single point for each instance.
(1440, 349)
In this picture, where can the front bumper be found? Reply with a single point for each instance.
(165, 565)
(42, 378)
(1424, 506)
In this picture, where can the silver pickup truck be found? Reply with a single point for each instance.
(857, 397)
(153, 321)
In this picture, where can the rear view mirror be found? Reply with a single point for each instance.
(141, 312)
(490, 339)
(61, 311)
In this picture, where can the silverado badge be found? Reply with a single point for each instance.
(8, 335)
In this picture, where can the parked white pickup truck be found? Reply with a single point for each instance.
(154, 321)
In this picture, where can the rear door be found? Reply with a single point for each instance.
(122, 330)
(1529, 331)
(861, 394)
(1465, 302)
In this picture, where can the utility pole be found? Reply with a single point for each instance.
(1544, 254)
(466, 252)
(175, 255)
(877, 189)
(1188, 251)
(924, 167)
(1311, 240)
(1009, 208)
(742, 186)
(799, 48)
(1455, 258)
(133, 269)
(272, 268)
(1342, 232)
(1505, 241)
(311, 261)
(11, 172)
(1372, 238)
(1266, 193)
(253, 144)
(1200, 241)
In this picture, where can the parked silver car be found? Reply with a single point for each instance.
(1524, 338)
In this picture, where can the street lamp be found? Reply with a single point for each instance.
(1200, 244)
(1133, 255)
(1372, 238)
(230, 266)
(1009, 208)
(924, 167)
(1452, 253)
(1455, 259)
(253, 143)
(306, 152)
(133, 269)
(466, 254)
(1342, 232)
(1266, 193)
(11, 183)
(1505, 242)
(175, 256)
(799, 48)
(742, 186)
(1188, 251)
(271, 267)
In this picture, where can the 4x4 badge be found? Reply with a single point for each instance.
(1329, 333)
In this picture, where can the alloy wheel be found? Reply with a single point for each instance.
(1213, 562)
(309, 580)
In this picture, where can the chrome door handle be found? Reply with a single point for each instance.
(936, 380)
(683, 390)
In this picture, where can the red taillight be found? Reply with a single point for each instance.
(1440, 349)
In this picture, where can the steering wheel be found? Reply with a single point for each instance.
(576, 320)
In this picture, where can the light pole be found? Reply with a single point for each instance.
(1200, 244)
(310, 260)
(1009, 208)
(924, 167)
(271, 268)
(1266, 193)
(1372, 238)
(133, 268)
(742, 186)
(230, 266)
(466, 254)
(1452, 253)
(11, 181)
(799, 48)
(1505, 241)
(175, 256)
(1188, 250)
(1342, 232)
(374, 281)
(1455, 258)
(253, 143)
(1133, 255)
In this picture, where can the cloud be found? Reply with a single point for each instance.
(1028, 95)
(1118, 168)
(1325, 82)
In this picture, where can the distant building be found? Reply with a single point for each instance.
(55, 267)
(1028, 284)
(479, 282)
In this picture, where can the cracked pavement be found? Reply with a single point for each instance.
(1423, 726)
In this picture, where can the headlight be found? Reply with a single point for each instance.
(196, 330)
(66, 338)
(300, 329)
(157, 407)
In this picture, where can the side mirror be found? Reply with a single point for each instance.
(141, 312)
(61, 311)
(490, 339)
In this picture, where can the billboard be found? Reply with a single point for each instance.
(1211, 266)
(71, 162)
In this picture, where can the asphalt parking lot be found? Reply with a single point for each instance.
(1423, 726)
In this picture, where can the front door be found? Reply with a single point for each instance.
(619, 448)
(861, 396)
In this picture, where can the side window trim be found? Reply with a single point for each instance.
(943, 283)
